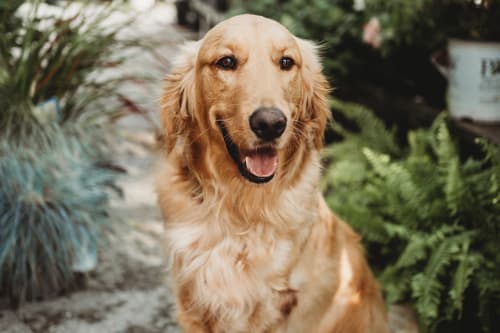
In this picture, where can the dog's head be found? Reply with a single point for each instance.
(247, 101)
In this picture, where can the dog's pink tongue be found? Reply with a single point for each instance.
(262, 164)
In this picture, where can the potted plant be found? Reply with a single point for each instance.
(467, 29)
(474, 62)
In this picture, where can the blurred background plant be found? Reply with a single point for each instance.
(57, 56)
(59, 94)
(428, 24)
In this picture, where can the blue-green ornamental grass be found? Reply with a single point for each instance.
(52, 198)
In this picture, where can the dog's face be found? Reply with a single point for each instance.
(254, 91)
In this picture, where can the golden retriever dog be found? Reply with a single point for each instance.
(254, 248)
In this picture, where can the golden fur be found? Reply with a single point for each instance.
(246, 257)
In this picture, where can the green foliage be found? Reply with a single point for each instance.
(427, 24)
(56, 56)
(430, 219)
(54, 194)
(335, 24)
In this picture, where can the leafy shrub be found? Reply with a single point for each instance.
(429, 217)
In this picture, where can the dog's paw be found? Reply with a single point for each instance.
(288, 300)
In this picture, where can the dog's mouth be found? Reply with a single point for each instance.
(257, 165)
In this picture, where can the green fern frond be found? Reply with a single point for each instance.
(427, 286)
(372, 131)
(416, 250)
(427, 292)
(468, 264)
(397, 284)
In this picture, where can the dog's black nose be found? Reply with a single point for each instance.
(268, 123)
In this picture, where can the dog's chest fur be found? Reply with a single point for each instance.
(232, 255)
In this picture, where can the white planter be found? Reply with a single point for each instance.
(474, 80)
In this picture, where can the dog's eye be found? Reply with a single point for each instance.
(227, 63)
(286, 63)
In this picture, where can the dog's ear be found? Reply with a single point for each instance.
(179, 97)
(315, 102)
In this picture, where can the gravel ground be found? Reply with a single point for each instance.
(128, 292)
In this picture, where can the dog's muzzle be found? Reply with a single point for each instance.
(256, 165)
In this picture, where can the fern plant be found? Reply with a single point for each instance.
(429, 216)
